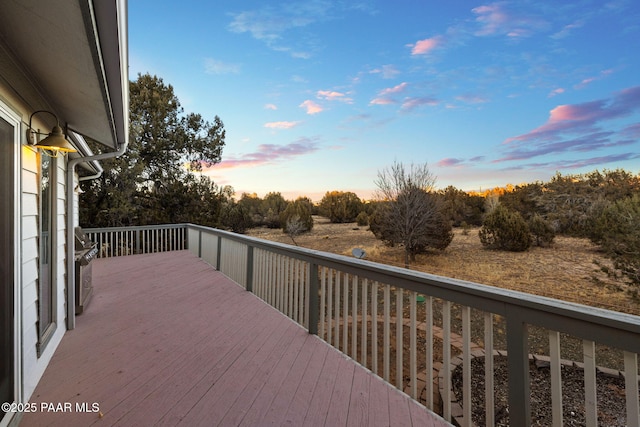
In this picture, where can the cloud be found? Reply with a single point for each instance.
(454, 162)
(410, 104)
(555, 92)
(270, 107)
(556, 165)
(387, 71)
(568, 29)
(581, 117)
(449, 162)
(213, 66)
(471, 98)
(496, 19)
(270, 24)
(396, 89)
(587, 81)
(281, 125)
(426, 46)
(577, 128)
(384, 96)
(311, 107)
(382, 101)
(330, 95)
(271, 153)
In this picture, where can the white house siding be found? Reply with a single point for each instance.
(33, 365)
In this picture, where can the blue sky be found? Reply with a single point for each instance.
(320, 95)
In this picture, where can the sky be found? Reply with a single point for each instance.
(318, 95)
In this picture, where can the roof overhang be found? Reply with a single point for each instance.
(75, 54)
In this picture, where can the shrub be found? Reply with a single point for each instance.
(298, 212)
(362, 219)
(505, 230)
(616, 230)
(542, 231)
(340, 206)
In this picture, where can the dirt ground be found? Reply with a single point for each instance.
(571, 269)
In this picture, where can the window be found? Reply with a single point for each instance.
(47, 243)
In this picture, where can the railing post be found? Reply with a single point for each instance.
(249, 278)
(313, 299)
(518, 367)
(138, 233)
(199, 243)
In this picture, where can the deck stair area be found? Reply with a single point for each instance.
(167, 340)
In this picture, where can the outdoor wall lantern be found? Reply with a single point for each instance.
(54, 144)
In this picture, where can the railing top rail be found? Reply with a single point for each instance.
(134, 227)
(605, 326)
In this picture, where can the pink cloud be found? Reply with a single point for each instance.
(410, 104)
(576, 128)
(396, 89)
(384, 97)
(580, 117)
(382, 101)
(311, 107)
(330, 95)
(270, 107)
(555, 92)
(495, 19)
(448, 162)
(269, 153)
(281, 125)
(424, 47)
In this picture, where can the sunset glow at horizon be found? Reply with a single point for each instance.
(319, 95)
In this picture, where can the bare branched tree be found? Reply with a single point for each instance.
(410, 213)
(294, 227)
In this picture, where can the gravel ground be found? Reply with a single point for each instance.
(611, 398)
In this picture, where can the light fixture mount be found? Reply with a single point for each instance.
(55, 143)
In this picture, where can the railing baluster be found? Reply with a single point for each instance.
(399, 338)
(323, 300)
(330, 282)
(466, 365)
(590, 393)
(429, 350)
(374, 327)
(488, 370)
(446, 358)
(386, 332)
(631, 388)
(345, 315)
(354, 318)
(413, 368)
(556, 378)
(365, 322)
(336, 312)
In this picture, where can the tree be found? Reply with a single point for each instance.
(154, 181)
(616, 231)
(409, 213)
(505, 229)
(340, 206)
(273, 205)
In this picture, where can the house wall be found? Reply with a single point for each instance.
(31, 364)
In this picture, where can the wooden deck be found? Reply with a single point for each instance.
(167, 340)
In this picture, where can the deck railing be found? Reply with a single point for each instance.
(404, 325)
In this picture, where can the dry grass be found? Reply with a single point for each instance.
(569, 270)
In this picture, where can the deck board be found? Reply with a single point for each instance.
(167, 340)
